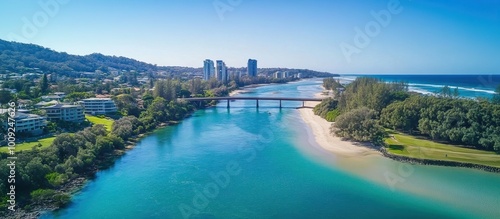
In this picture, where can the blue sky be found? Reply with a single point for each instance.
(441, 36)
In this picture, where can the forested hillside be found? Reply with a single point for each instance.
(15, 57)
(21, 58)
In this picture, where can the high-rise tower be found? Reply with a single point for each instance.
(252, 68)
(208, 69)
(222, 71)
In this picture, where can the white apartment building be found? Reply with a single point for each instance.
(30, 123)
(51, 98)
(278, 74)
(63, 112)
(99, 106)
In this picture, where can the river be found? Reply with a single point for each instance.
(245, 162)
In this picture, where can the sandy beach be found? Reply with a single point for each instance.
(321, 130)
(235, 92)
(245, 88)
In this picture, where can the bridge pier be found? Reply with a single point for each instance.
(201, 100)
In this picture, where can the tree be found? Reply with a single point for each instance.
(496, 96)
(76, 96)
(157, 110)
(371, 93)
(5, 96)
(331, 84)
(147, 99)
(167, 89)
(44, 84)
(74, 164)
(103, 145)
(27, 90)
(458, 121)
(87, 157)
(325, 106)
(456, 93)
(124, 127)
(34, 172)
(127, 104)
(66, 145)
(359, 125)
(403, 115)
(332, 115)
(118, 142)
(445, 91)
(195, 86)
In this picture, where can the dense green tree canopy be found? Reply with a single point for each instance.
(459, 121)
(326, 106)
(359, 125)
(371, 93)
(443, 117)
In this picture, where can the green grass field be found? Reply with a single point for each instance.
(108, 123)
(411, 146)
(45, 142)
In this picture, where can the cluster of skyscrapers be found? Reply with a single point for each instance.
(220, 71)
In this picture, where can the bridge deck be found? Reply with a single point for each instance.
(251, 98)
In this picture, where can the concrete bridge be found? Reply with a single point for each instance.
(199, 99)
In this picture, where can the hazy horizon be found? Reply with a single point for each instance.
(352, 37)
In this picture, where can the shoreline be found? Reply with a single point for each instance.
(244, 88)
(442, 163)
(320, 128)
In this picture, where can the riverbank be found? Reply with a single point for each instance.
(36, 208)
(75, 185)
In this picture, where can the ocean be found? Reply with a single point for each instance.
(470, 86)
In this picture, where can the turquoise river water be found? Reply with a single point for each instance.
(245, 162)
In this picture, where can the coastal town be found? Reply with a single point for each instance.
(54, 101)
(249, 109)
(86, 119)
